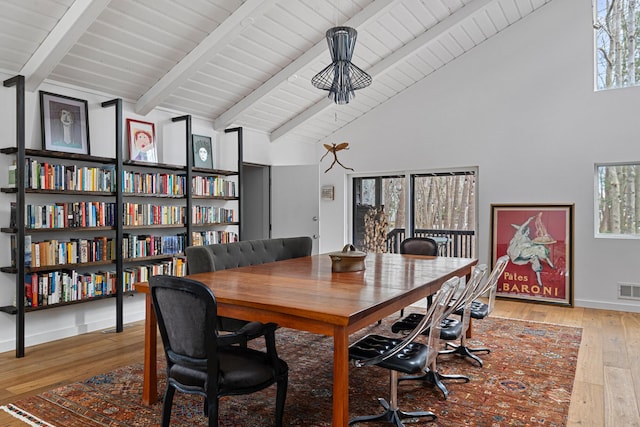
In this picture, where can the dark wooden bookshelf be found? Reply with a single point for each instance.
(21, 231)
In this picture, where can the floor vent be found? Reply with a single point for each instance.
(629, 291)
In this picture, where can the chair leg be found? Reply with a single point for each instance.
(436, 378)
(464, 351)
(281, 395)
(166, 407)
(212, 410)
(392, 413)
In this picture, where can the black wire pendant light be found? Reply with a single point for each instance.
(341, 78)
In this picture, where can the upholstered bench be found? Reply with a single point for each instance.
(221, 256)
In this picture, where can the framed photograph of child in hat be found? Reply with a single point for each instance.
(142, 141)
(539, 242)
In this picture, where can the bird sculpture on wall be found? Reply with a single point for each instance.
(334, 148)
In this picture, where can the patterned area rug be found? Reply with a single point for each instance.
(526, 381)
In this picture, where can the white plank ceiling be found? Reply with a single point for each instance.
(242, 63)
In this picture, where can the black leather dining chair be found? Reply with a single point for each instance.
(403, 355)
(202, 362)
(419, 246)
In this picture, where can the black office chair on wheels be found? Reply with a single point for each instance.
(476, 309)
(451, 329)
(199, 360)
(403, 355)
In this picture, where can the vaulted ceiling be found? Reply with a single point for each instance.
(242, 63)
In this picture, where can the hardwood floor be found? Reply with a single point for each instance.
(606, 391)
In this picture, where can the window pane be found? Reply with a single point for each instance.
(378, 209)
(617, 43)
(618, 199)
(444, 209)
(444, 202)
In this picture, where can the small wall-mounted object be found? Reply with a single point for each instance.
(327, 192)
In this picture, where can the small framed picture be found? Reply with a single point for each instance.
(142, 141)
(202, 156)
(65, 123)
(326, 193)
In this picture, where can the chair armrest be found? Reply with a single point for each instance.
(248, 332)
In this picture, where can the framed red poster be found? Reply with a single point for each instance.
(539, 242)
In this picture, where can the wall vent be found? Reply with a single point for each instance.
(629, 291)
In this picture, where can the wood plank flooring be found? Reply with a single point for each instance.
(606, 390)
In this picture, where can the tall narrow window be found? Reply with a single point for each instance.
(444, 207)
(617, 200)
(379, 208)
(617, 43)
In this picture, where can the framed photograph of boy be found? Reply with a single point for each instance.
(538, 239)
(65, 123)
(142, 141)
(202, 156)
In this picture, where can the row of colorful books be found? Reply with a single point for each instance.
(153, 183)
(211, 215)
(174, 267)
(67, 215)
(56, 287)
(213, 186)
(151, 214)
(211, 237)
(144, 245)
(72, 251)
(47, 176)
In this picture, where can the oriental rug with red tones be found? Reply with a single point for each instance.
(526, 381)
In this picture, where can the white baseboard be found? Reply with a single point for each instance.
(628, 306)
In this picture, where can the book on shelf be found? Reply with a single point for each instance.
(14, 250)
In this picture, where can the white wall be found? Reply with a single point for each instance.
(47, 325)
(521, 107)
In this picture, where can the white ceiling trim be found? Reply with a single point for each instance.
(203, 53)
(64, 35)
(391, 61)
(369, 14)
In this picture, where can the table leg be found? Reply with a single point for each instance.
(340, 377)
(150, 379)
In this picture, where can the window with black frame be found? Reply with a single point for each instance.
(390, 208)
(378, 208)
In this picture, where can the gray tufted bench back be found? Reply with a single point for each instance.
(201, 259)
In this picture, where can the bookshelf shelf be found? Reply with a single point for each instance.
(59, 155)
(58, 267)
(213, 224)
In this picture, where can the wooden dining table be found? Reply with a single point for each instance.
(304, 294)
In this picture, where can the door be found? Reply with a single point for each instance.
(295, 202)
(255, 202)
